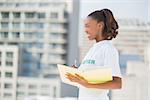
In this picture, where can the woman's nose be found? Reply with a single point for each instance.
(86, 31)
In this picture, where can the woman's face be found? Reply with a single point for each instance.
(92, 28)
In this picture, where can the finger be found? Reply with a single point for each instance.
(74, 66)
(79, 76)
(70, 79)
(69, 74)
(73, 79)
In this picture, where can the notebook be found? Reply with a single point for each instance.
(93, 76)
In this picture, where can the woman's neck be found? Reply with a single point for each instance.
(98, 39)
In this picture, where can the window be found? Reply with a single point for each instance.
(16, 25)
(54, 57)
(65, 15)
(56, 36)
(40, 25)
(8, 74)
(20, 4)
(54, 15)
(20, 93)
(10, 5)
(39, 45)
(40, 34)
(16, 34)
(20, 85)
(30, 15)
(28, 35)
(31, 94)
(31, 86)
(7, 85)
(55, 26)
(27, 25)
(43, 4)
(4, 35)
(54, 91)
(0, 58)
(30, 25)
(7, 95)
(55, 46)
(16, 15)
(9, 58)
(9, 63)
(4, 25)
(9, 54)
(2, 4)
(45, 94)
(27, 45)
(5, 14)
(41, 15)
(39, 55)
(45, 86)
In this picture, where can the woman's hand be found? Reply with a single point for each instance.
(74, 66)
(78, 79)
(116, 83)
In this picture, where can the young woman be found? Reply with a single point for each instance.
(101, 26)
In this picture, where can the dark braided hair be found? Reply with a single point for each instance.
(110, 24)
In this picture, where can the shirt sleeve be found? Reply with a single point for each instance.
(111, 59)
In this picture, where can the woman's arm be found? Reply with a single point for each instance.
(116, 83)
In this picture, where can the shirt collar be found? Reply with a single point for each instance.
(101, 42)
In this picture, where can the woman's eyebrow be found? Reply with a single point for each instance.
(86, 24)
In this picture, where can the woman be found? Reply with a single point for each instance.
(101, 26)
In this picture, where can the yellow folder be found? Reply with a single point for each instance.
(93, 76)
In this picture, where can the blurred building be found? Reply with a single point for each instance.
(31, 87)
(8, 72)
(73, 48)
(147, 55)
(135, 84)
(46, 34)
(13, 87)
(137, 79)
(132, 34)
(132, 40)
(40, 29)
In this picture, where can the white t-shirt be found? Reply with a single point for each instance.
(103, 54)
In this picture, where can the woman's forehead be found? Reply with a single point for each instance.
(89, 20)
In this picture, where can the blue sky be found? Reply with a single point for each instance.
(137, 9)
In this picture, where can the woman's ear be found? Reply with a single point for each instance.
(101, 25)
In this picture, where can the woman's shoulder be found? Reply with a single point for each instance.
(110, 47)
(106, 44)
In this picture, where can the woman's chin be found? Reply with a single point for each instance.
(90, 38)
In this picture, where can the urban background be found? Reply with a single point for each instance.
(36, 35)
